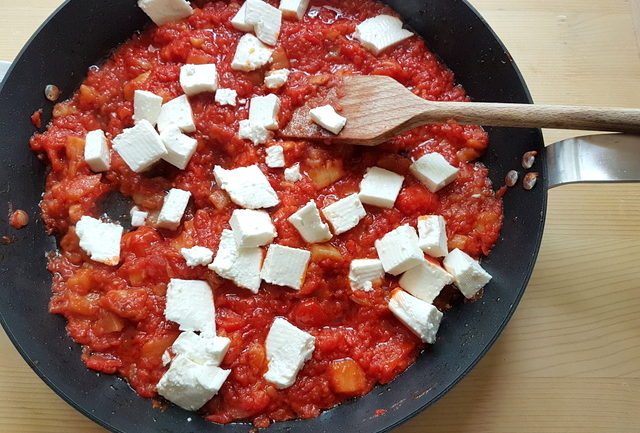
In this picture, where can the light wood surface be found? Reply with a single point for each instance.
(569, 361)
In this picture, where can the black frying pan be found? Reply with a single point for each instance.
(80, 34)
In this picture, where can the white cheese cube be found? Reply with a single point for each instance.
(344, 214)
(287, 349)
(433, 235)
(380, 187)
(180, 147)
(189, 384)
(197, 256)
(364, 272)
(251, 54)
(327, 117)
(146, 106)
(275, 157)
(467, 273)
(425, 281)
(379, 33)
(239, 22)
(399, 251)
(266, 20)
(309, 224)
(164, 11)
(176, 112)
(240, 265)
(294, 8)
(175, 202)
(252, 228)
(226, 97)
(292, 174)
(263, 111)
(285, 266)
(138, 217)
(257, 134)
(247, 186)
(276, 78)
(422, 318)
(196, 79)
(140, 147)
(96, 151)
(434, 171)
(189, 303)
(202, 349)
(101, 241)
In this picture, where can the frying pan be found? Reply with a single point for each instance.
(81, 33)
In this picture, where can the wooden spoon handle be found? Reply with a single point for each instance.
(533, 116)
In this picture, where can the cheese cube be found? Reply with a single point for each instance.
(467, 273)
(308, 223)
(287, 349)
(327, 117)
(276, 78)
(240, 265)
(251, 54)
(292, 174)
(379, 33)
(433, 235)
(202, 349)
(180, 147)
(257, 134)
(140, 147)
(138, 217)
(226, 97)
(294, 8)
(252, 228)
(265, 19)
(96, 151)
(380, 187)
(189, 384)
(175, 202)
(176, 113)
(189, 303)
(263, 111)
(399, 251)
(196, 79)
(344, 214)
(425, 281)
(422, 318)
(146, 106)
(433, 171)
(364, 272)
(101, 241)
(247, 186)
(285, 266)
(197, 256)
(239, 22)
(275, 156)
(164, 11)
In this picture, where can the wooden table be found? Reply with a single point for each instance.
(569, 360)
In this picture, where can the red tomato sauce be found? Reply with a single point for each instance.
(116, 313)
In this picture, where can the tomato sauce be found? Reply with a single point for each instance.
(116, 313)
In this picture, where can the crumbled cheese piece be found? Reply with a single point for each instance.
(180, 147)
(467, 273)
(308, 223)
(166, 358)
(197, 256)
(101, 241)
(251, 54)
(292, 174)
(425, 281)
(275, 157)
(433, 235)
(247, 186)
(285, 266)
(293, 8)
(177, 112)
(138, 217)
(276, 78)
(189, 303)
(327, 117)
(96, 151)
(288, 348)
(265, 19)
(433, 171)
(146, 106)
(257, 134)
(263, 111)
(379, 33)
(164, 11)
(252, 228)
(202, 349)
(364, 272)
(399, 251)
(226, 97)
(238, 21)
(380, 187)
(140, 147)
(422, 318)
(344, 214)
(240, 265)
(175, 202)
(196, 79)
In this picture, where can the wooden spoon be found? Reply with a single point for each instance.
(378, 108)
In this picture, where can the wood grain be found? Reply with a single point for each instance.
(569, 361)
